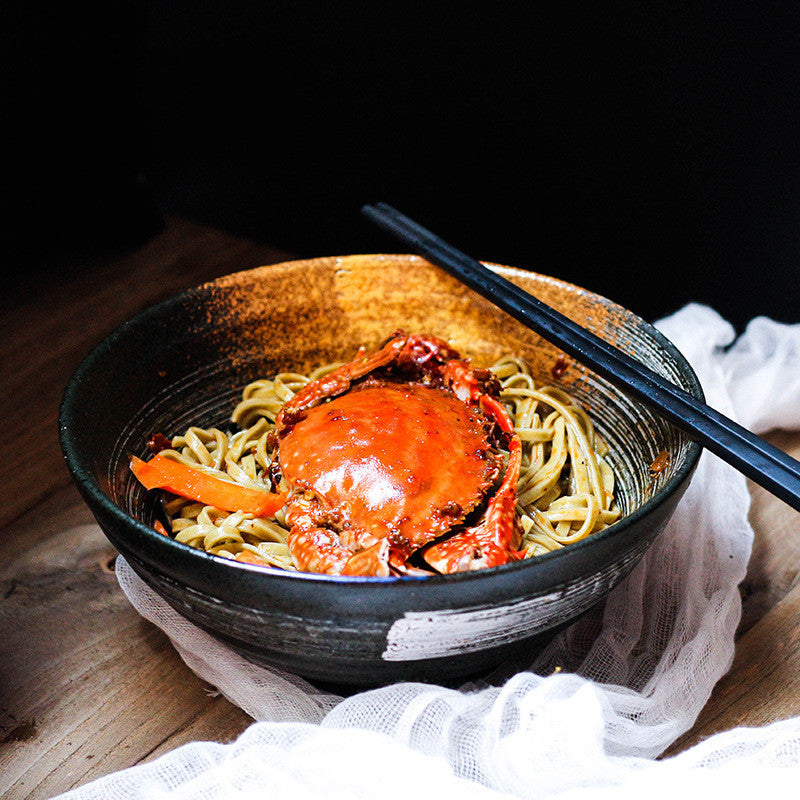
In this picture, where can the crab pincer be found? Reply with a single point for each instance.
(496, 537)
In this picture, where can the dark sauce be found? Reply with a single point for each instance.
(560, 367)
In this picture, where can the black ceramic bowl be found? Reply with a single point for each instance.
(185, 361)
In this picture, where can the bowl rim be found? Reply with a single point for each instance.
(92, 491)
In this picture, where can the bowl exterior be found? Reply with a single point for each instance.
(360, 635)
(351, 630)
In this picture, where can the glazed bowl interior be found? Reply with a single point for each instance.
(184, 363)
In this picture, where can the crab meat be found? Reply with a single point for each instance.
(393, 452)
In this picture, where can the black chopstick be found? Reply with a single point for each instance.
(752, 456)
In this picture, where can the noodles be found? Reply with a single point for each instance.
(564, 494)
(566, 489)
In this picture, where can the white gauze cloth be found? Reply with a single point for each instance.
(586, 717)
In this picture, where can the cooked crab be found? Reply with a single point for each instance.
(395, 454)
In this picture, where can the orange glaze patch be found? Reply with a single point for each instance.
(394, 459)
(559, 367)
(660, 463)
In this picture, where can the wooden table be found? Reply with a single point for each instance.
(87, 687)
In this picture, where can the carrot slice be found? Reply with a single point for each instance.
(250, 558)
(174, 476)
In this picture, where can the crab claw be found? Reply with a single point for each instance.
(373, 560)
(319, 550)
(494, 540)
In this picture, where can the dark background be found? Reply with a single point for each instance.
(645, 151)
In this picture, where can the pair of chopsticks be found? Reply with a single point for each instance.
(766, 465)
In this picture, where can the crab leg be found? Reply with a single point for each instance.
(338, 381)
(319, 550)
(373, 560)
(494, 540)
(400, 348)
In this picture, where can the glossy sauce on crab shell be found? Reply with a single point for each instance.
(400, 460)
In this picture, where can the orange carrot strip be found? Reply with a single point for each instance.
(174, 476)
(250, 558)
(158, 525)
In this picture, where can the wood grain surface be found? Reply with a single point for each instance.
(763, 684)
(87, 687)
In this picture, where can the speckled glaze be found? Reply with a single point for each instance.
(185, 361)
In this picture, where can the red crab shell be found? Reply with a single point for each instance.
(404, 461)
(389, 453)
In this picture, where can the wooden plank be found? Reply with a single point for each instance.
(88, 687)
(44, 336)
(763, 684)
(774, 568)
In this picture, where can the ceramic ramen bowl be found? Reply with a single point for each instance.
(185, 361)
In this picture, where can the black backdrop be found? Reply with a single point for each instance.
(646, 151)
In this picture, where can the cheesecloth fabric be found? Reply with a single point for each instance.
(583, 719)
